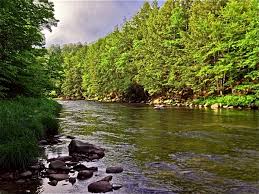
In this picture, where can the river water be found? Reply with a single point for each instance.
(174, 150)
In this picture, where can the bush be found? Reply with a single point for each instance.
(229, 100)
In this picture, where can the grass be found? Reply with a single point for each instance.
(23, 121)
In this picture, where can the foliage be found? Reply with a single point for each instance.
(230, 100)
(22, 122)
(22, 68)
(206, 47)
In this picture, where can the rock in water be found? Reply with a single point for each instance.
(85, 174)
(108, 178)
(116, 187)
(59, 177)
(72, 180)
(115, 169)
(58, 165)
(100, 187)
(53, 182)
(90, 150)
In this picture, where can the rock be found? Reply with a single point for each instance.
(108, 178)
(71, 163)
(59, 177)
(100, 187)
(230, 107)
(214, 106)
(72, 180)
(160, 106)
(51, 171)
(26, 174)
(115, 169)
(79, 147)
(200, 106)
(84, 174)
(53, 182)
(94, 157)
(80, 167)
(225, 106)
(57, 164)
(116, 186)
(70, 137)
(61, 158)
(43, 142)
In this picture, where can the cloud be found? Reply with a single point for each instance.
(86, 21)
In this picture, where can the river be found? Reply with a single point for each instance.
(174, 150)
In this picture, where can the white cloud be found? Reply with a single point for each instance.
(86, 21)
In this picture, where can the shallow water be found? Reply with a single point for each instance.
(174, 150)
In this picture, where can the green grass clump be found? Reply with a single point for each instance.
(230, 100)
(22, 122)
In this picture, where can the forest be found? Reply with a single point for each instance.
(184, 50)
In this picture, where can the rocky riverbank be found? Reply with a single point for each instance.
(69, 168)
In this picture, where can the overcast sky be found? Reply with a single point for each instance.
(87, 20)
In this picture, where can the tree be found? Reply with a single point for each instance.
(21, 43)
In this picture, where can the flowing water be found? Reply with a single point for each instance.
(174, 150)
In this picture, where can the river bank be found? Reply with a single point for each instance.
(249, 102)
(23, 122)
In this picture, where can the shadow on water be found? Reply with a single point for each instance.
(175, 150)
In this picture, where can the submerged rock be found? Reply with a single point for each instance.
(58, 165)
(100, 187)
(59, 177)
(85, 174)
(115, 169)
(53, 182)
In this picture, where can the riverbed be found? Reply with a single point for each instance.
(172, 150)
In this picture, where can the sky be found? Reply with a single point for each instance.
(88, 20)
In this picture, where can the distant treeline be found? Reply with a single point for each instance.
(185, 49)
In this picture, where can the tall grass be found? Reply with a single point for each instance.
(22, 122)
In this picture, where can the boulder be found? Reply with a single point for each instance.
(59, 177)
(57, 165)
(53, 182)
(87, 149)
(84, 174)
(72, 180)
(108, 178)
(81, 167)
(100, 187)
(215, 106)
(115, 169)
(70, 137)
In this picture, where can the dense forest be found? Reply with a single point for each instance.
(183, 50)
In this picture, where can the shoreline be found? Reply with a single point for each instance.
(168, 103)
